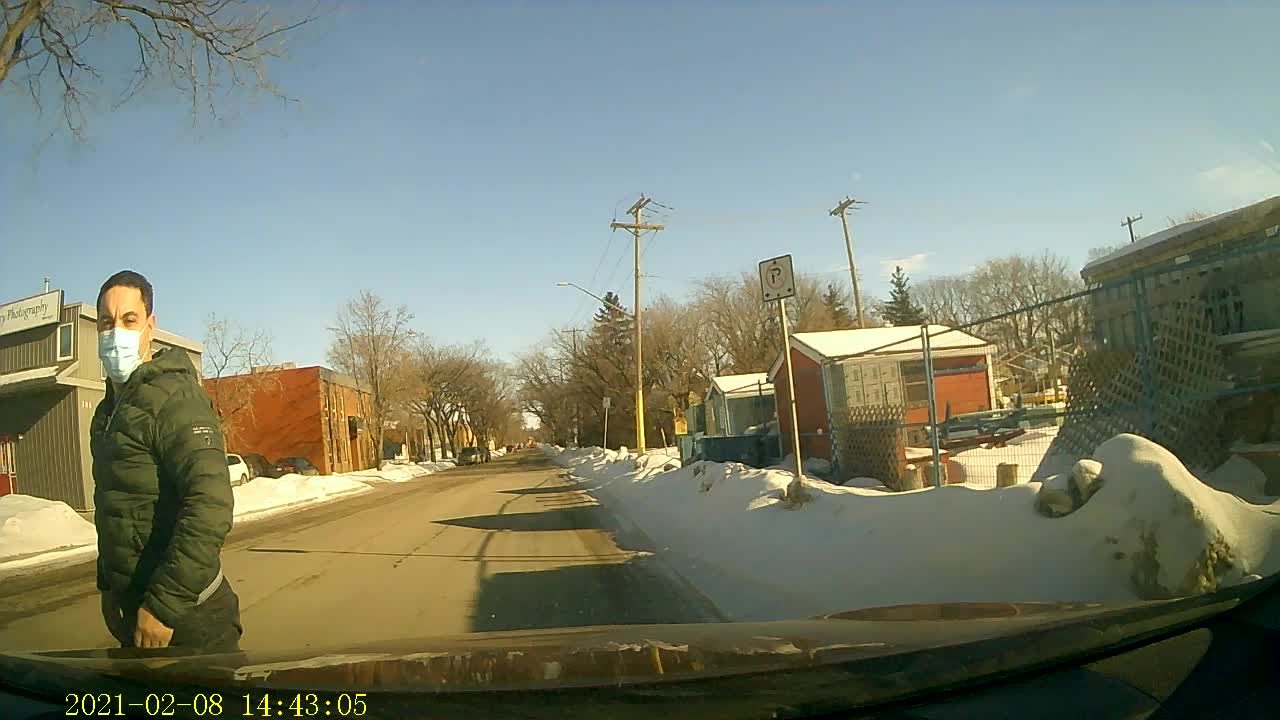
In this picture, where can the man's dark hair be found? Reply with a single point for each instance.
(130, 279)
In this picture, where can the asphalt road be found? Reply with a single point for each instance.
(506, 545)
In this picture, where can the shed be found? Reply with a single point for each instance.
(842, 369)
(737, 402)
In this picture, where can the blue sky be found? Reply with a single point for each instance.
(460, 158)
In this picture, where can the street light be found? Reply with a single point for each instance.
(639, 366)
(563, 283)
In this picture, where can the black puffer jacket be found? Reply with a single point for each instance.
(162, 491)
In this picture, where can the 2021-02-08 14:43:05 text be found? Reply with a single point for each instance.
(215, 705)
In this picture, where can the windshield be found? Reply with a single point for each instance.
(669, 320)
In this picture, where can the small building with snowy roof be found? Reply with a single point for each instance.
(737, 403)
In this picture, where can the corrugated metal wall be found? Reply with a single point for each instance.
(49, 463)
(27, 349)
(86, 401)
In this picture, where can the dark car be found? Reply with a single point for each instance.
(259, 465)
(298, 465)
(470, 456)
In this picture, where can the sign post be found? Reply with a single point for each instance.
(607, 403)
(777, 283)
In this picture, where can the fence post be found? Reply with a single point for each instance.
(1146, 352)
(933, 410)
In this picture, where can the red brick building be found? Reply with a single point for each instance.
(285, 411)
(841, 369)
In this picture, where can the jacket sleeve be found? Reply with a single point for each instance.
(191, 451)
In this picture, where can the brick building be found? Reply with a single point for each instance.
(286, 411)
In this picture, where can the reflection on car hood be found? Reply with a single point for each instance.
(608, 655)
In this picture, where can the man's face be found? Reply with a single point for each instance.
(122, 307)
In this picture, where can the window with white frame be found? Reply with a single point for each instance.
(66, 341)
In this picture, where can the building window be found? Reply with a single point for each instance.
(915, 385)
(66, 341)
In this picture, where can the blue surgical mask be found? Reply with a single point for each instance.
(121, 354)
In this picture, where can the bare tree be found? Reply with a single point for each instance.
(1193, 215)
(197, 46)
(231, 353)
(747, 328)
(371, 343)
(544, 393)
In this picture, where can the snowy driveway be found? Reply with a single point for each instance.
(497, 546)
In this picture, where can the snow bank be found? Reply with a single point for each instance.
(1151, 530)
(1241, 478)
(31, 525)
(261, 495)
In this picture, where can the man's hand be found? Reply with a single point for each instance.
(150, 632)
(113, 617)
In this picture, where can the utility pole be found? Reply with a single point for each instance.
(1129, 221)
(638, 226)
(840, 211)
(577, 411)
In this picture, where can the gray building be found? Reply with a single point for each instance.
(50, 382)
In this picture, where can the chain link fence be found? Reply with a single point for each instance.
(1187, 355)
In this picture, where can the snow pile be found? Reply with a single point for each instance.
(262, 494)
(439, 465)
(390, 473)
(30, 525)
(813, 467)
(1149, 530)
(1241, 478)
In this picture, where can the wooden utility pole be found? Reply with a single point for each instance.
(1129, 221)
(840, 211)
(638, 226)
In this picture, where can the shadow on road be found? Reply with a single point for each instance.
(540, 490)
(574, 518)
(626, 593)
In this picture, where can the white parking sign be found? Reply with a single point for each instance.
(777, 281)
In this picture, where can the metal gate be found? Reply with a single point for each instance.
(8, 467)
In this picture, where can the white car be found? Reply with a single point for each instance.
(237, 469)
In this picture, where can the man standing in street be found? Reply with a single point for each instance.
(162, 492)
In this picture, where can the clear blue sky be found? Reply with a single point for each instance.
(462, 157)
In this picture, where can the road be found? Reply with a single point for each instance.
(506, 545)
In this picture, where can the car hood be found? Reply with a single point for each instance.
(980, 637)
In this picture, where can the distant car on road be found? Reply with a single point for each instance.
(259, 465)
(237, 469)
(470, 456)
(298, 465)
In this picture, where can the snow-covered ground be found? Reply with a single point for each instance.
(978, 465)
(35, 531)
(1151, 530)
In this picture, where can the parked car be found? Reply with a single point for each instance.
(470, 456)
(237, 469)
(298, 465)
(259, 465)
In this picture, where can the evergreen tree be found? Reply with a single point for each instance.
(901, 309)
(837, 308)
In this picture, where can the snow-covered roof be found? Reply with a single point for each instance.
(833, 344)
(878, 342)
(741, 385)
(1176, 235)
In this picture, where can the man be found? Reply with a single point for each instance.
(162, 491)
